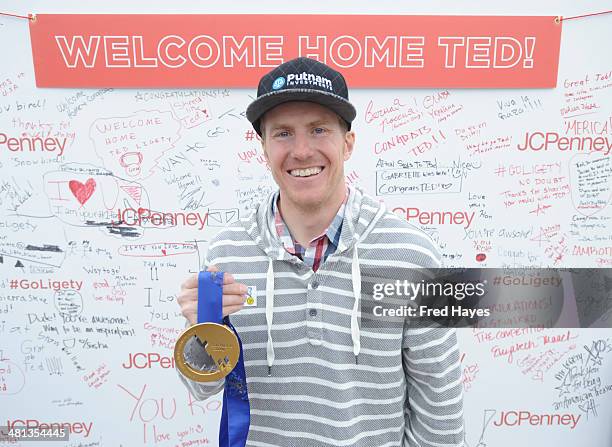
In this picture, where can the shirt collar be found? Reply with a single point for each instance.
(332, 232)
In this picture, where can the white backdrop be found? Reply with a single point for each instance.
(96, 353)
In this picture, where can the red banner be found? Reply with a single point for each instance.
(235, 50)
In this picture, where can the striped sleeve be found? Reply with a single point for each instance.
(433, 408)
(434, 394)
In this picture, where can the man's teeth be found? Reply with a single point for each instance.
(305, 172)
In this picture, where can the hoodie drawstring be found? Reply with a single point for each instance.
(356, 277)
(269, 315)
(355, 331)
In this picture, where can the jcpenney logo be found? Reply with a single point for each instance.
(148, 360)
(517, 418)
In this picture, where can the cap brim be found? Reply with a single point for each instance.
(261, 105)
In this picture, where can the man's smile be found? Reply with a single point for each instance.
(306, 172)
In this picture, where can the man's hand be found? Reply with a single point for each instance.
(234, 294)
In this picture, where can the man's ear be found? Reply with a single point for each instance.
(349, 144)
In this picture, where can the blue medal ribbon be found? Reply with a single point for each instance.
(235, 429)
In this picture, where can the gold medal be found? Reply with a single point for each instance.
(221, 345)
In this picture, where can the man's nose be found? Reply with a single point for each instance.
(303, 146)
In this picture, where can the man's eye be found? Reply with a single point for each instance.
(319, 130)
(282, 133)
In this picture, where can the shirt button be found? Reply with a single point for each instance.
(314, 284)
(313, 312)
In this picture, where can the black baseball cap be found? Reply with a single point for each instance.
(301, 79)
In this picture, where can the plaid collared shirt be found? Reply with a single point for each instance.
(320, 247)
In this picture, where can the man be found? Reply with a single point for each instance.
(316, 376)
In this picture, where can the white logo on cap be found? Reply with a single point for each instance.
(278, 83)
(305, 79)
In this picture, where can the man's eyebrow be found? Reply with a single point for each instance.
(319, 122)
(279, 127)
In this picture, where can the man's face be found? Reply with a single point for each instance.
(306, 147)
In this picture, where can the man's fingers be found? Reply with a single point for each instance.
(190, 283)
(231, 304)
(231, 309)
(190, 312)
(234, 289)
(231, 300)
(227, 277)
(233, 295)
(190, 305)
(186, 298)
(191, 308)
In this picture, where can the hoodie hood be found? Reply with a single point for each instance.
(361, 214)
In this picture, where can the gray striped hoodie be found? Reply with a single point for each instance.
(322, 370)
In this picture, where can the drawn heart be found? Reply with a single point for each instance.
(164, 251)
(81, 191)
